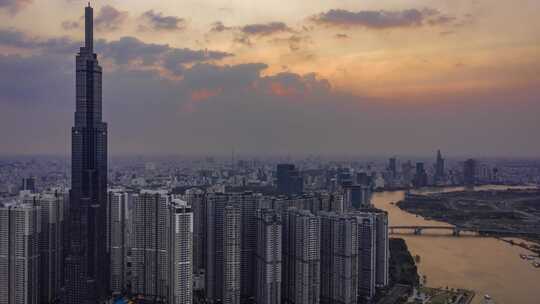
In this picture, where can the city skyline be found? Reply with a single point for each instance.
(410, 77)
(329, 226)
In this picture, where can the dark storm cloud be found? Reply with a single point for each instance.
(157, 21)
(109, 19)
(14, 6)
(382, 19)
(265, 29)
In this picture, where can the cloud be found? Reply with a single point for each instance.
(247, 34)
(70, 25)
(214, 107)
(130, 50)
(382, 19)
(342, 36)
(156, 21)
(265, 29)
(126, 51)
(14, 6)
(295, 42)
(17, 39)
(219, 27)
(109, 19)
(14, 38)
(176, 59)
(242, 39)
(294, 85)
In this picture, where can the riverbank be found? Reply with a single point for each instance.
(405, 281)
(403, 268)
(499, 213)
(483, 264)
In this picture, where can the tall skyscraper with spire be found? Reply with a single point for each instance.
(87, 263)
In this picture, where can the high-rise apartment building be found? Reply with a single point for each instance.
(87, 262)
(382, 254)
(180, 252)
(268, 257)
(51, 245)
(248, 204)
(339, 258)
(366, 254)
(29, 184)
(301, 257)
(20, 228)
(118, 229)
(195, 199)
(149, 255)
(223, 250)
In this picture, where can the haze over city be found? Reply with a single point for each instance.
(279, 78)
(254, 152)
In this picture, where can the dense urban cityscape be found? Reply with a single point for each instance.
(93, 228)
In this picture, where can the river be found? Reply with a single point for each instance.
(485, 265)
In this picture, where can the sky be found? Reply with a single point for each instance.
(274, 77)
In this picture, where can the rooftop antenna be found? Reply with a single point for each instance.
(89, 28)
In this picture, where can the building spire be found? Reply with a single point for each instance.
(89, 28)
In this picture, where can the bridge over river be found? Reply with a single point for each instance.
(458, 230)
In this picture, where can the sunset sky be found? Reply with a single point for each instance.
(355, 77)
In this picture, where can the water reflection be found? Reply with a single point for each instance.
(486, 265)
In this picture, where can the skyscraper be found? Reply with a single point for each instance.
(51, 245)
(366, 254)
(180, 253)
(195, 199)
(382, 257)
(289, 180)
(392, 167)
(87, 262)
(222, 250)
(248, 204)
(150, 245)
(118, 223)
(268, 257)
(19, 253)
(301, 257)
(439, 167)
(231, 255)
(339, 258)
(29, 184)
(469, 172)
(420, 178)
